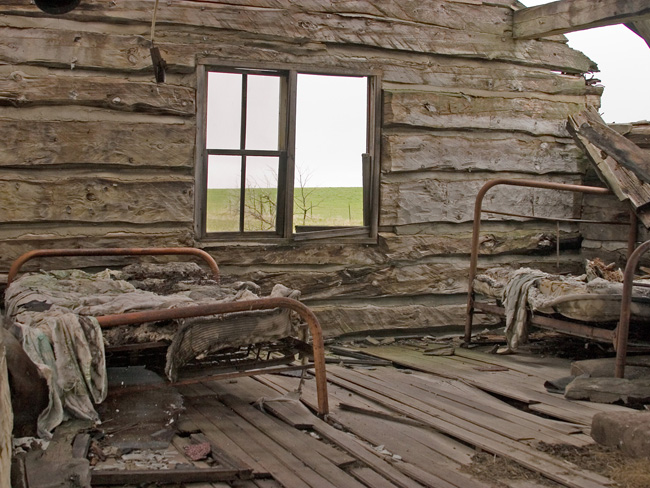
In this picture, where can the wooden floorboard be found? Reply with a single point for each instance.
(509, 384)
(390, 427)
(280, 463)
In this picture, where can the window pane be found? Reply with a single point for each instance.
(263, 112)
(331, 136)
(224, 111)
(261, 193)
(223, 194)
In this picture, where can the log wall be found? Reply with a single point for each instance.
(97, 154)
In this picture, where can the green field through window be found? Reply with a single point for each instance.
(320, 207)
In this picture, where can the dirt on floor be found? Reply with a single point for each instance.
(625, 471)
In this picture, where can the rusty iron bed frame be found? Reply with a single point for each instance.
(107, 321)
(618, 336)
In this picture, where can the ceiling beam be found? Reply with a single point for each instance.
(573, 15)
(641, 28)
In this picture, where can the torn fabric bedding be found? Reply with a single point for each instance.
(589, 297)
(52, 314)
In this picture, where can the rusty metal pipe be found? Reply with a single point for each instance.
(476, 227)
(318, 347)
(118, 251)
(623, 329)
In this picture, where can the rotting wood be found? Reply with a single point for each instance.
(621, 163)
(300, 445)
(267, 398)
(641, 28)
(417, 198)
(371, 478)
(448, 405)
(98, 197)
(565, 16)
(110, 477)
(21, 89)
(546, 465)
(482, 151)
(349, 29)
(509, 384)
(518, 113)
(219, 438)
(36, 143)
(284, 467)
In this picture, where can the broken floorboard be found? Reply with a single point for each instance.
(515, 384)
(388, 427)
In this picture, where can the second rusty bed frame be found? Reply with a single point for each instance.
(106, 321)
(619, 336)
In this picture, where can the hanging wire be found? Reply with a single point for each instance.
(153, 21)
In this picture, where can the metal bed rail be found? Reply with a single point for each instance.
(318, 348)
(118, 251)
(620, 336)
(107, 321)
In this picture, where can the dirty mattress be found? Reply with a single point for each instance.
(52, 314)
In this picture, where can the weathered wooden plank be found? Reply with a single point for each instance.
(221, 440)
(22, 89)
(95, 197)
(32, 143)
(509, 426)
(424, 197)
(458, 15)
(440, 276)
(361, 316)
(479, 151)
(509, 384)
(111, 477)
(565, 16)
(638, 133)
(248, 391)
(641, 28)
(506, 238)
(16, 240)
(320, 27)
(317, 254)
(370, 478)
(621, 164)
(293, 441)
(285, 468)
(478, 436)
(502, 112)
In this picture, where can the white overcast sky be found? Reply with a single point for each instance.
(624, 62)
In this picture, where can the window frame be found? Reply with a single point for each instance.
(286, 154)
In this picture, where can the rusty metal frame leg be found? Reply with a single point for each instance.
(318, 347)
(623, 329)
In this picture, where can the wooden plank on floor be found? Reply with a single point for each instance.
(507, 384)
(472, 404)
(424, 462)
(371, 478)
(283, 466)
(357, 449)
(544, 368)
(218, 438)
(478, 436)
(300, 445)
(336, 456)
(465, 413)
